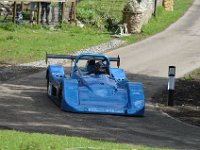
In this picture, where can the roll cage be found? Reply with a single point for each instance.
(86, 56)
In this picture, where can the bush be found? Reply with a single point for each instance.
(86, 15)
(103, 14)
(8, 26)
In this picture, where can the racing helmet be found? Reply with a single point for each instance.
(101, 68)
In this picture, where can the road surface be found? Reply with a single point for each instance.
(24, 104)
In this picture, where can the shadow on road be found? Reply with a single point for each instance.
(24, 106)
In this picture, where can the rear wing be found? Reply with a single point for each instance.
(73, 57)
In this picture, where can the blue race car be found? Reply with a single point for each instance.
(93, 86)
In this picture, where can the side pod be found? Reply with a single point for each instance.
(55, 73)
(136, 98)
(70, 95)
(118, 74)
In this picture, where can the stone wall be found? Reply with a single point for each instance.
(137, 13)
(5, 8)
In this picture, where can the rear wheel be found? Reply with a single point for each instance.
(60, 95)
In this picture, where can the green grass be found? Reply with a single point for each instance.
(192, 75)
(14, 140)
(19, 44)
(162, 20)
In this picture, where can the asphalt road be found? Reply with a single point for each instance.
(24, 104)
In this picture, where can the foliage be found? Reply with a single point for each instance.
(8, 26)
(102, 13)
(193, 75)
(188, 78)
(86, 15)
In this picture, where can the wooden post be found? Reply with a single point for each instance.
(73, 12)
(38, 12)
(63, 11)
(22, 6)
(155, 8)
(14, 11)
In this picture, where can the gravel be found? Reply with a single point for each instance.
(8, 71)
(95, 49)
(13, 72)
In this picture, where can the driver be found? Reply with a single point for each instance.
(90, 66)
(100, 68)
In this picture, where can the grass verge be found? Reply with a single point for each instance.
(14, 140)
(19, 44)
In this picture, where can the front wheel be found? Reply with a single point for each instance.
(49, 88)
